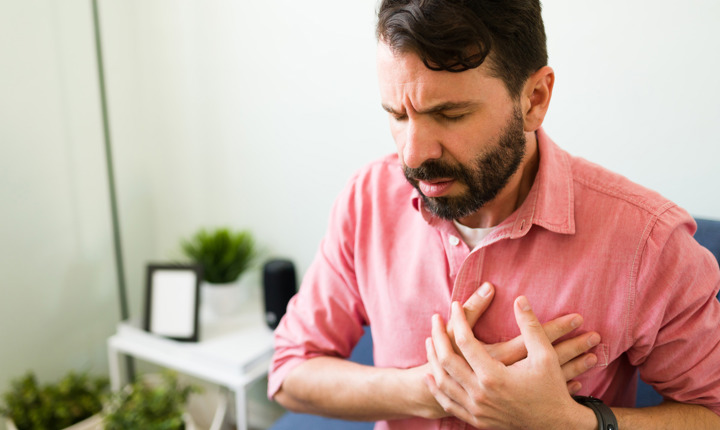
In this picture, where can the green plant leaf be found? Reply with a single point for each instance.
(149, 406)
(224, 254)
(74, 398)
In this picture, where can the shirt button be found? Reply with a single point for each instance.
(454, 241)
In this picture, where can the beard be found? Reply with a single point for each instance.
(489, 173)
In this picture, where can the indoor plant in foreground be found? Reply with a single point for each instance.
(73, 403)
(225, 255)
(156, 402)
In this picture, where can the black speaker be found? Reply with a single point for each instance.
(279, 285)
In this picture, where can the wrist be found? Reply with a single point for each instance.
(604, 416)
(583, 418)
(421, 402)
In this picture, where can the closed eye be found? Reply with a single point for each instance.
(396, 115)
(451, 118)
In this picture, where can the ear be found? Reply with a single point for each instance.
(536, 96)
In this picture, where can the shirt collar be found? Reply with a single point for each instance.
(550, 202)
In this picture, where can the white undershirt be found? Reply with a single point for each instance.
(472, 236)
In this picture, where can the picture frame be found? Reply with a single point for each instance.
(172, 301)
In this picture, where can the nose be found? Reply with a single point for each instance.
(420, 145)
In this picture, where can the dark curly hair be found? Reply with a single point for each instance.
(457, 35)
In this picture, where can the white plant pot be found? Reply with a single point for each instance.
(189, 422)
(91, 423)
(223, 300)
(209, 408)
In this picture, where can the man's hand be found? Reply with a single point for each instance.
(338, 388)
(482, 390)
(571, 353)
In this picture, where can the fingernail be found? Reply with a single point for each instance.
(523, 303)
(575, 323)
(485, 289)
(590, 361)
(593, 340)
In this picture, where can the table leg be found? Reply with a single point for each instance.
(241, 409)
(114, 364)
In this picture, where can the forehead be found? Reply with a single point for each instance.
(403, 77)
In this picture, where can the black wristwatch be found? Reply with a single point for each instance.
(605, 416)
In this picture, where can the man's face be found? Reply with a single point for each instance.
(460, 136)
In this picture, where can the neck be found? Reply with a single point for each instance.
(512, 195)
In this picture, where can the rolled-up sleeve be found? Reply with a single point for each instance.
(676, 340)
(326, 316)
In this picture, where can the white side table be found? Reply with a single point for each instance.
(232, 352)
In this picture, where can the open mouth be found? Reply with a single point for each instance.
(436, 187)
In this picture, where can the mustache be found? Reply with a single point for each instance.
(433, 169)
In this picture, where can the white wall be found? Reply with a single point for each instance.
(636, 92)
(234, 113)
(58, 300)
(254, 114)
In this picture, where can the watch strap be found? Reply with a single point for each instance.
(605, 416)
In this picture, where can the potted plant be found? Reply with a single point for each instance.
(225, 255)
(150, 404)
(73, 403)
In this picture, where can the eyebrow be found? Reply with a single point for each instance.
(435, 109)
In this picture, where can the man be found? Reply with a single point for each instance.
(479, 205)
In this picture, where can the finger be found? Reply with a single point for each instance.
(448, 386)
(571, 348)
(450, 406)
(472, 349)
(514, 350)
(435, 365)
(478, 302)
(576, 367)
(536, 341)
(574, 387)
(474, 307)
(508, 352)
(561, 326)
(451, 363)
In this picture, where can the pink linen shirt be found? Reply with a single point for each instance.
(584, 240)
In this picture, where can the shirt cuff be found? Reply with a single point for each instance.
(279, 372)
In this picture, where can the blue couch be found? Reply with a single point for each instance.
(708, 235)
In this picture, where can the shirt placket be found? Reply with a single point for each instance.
(469, 276)
(468, 267)
(456, 250)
